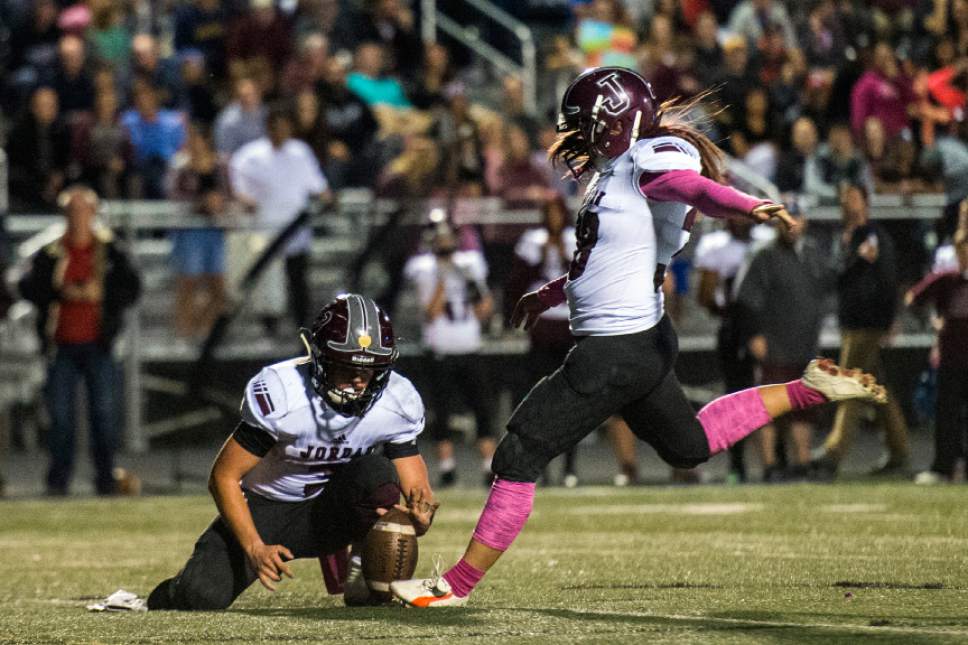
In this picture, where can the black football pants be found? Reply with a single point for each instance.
(218, 571)
(630, 375)
(949, 422)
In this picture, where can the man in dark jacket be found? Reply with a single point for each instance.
(782, 300)
(81, 284)
(867, 297)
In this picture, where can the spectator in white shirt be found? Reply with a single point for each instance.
(276, 176)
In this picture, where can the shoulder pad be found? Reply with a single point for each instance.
(265, 397)
(403, 399)
(665, 153)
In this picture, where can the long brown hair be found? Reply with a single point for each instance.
(677, 120)
(570, 149)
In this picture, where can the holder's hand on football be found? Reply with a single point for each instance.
(269, 562)
(766, 212)
(528, 309)
(420, 509)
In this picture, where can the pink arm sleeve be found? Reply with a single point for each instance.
(553, 293)
(691, 188)
(925, 289)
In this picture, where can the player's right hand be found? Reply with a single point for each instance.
(269, 562)
(766, 212)
(528, 309)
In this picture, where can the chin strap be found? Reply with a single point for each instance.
(304, 337)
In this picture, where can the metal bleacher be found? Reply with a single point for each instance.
(341, 232)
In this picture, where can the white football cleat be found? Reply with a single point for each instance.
(840, 384)
(120, 600)
(427, 592)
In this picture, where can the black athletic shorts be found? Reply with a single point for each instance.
(453, 379)
(630, 375)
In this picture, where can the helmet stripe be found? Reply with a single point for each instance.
(373, 328)
(363, 317)
(354, 318)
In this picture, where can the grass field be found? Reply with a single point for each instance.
(705, 564)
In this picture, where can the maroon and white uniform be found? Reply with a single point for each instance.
(622, 238)
(311, 439)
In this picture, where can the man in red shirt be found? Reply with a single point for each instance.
(948, 292)
(81, 284)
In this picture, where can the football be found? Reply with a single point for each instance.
(390, 553)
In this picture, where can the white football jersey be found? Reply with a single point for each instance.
(621, 238)
(457, 331)
(312, 439)
(530, 249)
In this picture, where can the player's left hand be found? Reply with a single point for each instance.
(421, 510)
(766, 212)
(527, 310)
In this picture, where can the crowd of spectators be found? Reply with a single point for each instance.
(185, 102)
(811, 95)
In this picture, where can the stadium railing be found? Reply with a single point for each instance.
(434, 20)
(341, 233)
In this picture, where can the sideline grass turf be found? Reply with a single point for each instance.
(885, 563)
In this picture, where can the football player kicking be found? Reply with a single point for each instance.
(300, 476)
(650, 169)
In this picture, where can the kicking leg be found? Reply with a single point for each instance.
(599, 376)
(730, 418)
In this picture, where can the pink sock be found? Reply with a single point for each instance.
(802, 396)
(730, 418)
(462, 578)
(504, 515)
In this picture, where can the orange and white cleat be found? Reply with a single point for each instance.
(427, 592)
(840, 384)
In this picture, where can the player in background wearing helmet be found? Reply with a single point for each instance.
(325, 444)
(451, 286)
(649, 171)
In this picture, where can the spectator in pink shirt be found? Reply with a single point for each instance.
(882, 92)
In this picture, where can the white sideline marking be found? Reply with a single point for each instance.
(676, 509)
(854, 508)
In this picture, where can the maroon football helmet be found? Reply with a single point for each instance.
(351, 332)
(610, 107)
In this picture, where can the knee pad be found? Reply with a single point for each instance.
(202, 595)
(691, 452)
(369, 473)
(375, 484)
(519, 459)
